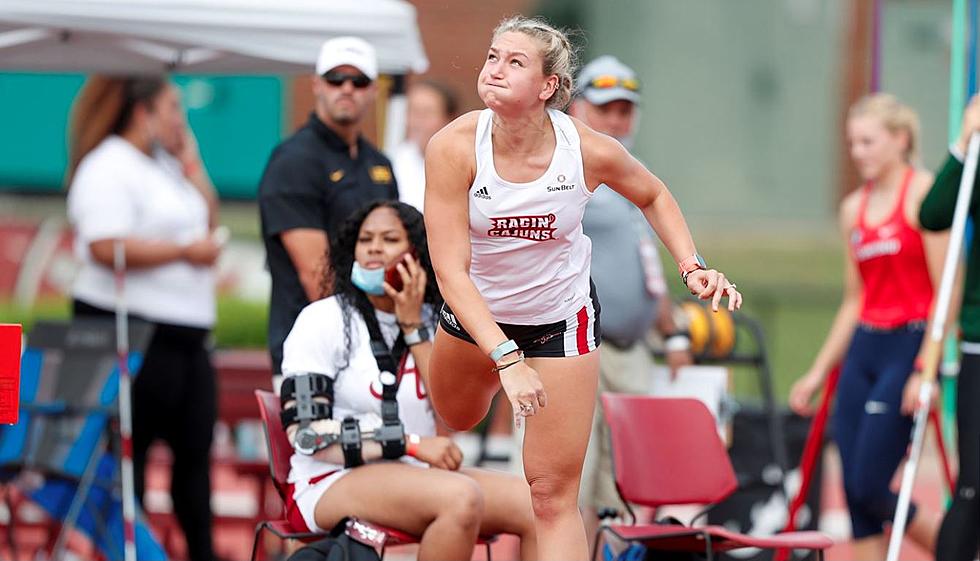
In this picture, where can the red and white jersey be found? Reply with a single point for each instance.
(892, 262)
(529, 257)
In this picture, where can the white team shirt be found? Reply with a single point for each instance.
(529, 256)
(120, 192)
(316, 345)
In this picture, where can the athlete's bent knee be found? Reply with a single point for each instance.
(551, 498)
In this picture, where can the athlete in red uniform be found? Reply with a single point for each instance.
(891, 260)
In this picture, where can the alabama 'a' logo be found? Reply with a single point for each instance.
(536, 228)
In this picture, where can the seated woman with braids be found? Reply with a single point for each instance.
(358, 413)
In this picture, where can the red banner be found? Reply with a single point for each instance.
(10, 349)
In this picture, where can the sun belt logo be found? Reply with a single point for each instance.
(482, 193)
(561, 185)
(536, 228)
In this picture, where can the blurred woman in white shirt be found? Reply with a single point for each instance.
(136, 178)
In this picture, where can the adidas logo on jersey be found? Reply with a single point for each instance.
(482, 193)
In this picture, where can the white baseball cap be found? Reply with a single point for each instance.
(352, 51)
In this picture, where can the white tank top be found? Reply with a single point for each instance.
(529, 258)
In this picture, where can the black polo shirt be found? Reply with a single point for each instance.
(312, 182)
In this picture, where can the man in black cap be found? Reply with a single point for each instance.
(317, 178)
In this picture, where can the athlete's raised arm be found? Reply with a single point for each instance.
(607, 161)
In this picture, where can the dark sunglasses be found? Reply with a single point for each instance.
(334, 78)
(606, 82)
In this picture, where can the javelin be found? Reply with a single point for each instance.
(934, 344)
(125, 407)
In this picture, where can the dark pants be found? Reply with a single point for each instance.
(174, 398)
(869, 427)
(959, 538)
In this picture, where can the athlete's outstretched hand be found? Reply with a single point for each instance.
(709, 284)
(524, 390)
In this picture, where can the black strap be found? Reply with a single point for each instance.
(387, 359)
(319, 411)
(392, 430)
(322, 386)
(350, 443)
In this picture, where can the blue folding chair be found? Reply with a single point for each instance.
(69, 389)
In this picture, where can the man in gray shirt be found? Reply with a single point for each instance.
(627, 273)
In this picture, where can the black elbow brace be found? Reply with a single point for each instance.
(302, 391)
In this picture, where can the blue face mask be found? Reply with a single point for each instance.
(370, 281)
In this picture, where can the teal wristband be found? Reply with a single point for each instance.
(503, 350)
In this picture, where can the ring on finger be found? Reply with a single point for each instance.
(527, 408)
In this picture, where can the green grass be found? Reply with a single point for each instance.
(54, 309)
(241, 324)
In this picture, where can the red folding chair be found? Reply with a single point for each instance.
(667, 452)
(280, 450)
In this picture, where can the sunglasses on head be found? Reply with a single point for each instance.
(607, 82)
(335, 78)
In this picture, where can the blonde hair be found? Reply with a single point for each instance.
(104, 106)
(895, 115)
(558, 55)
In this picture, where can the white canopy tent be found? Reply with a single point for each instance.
(200, 36)
(206, 37)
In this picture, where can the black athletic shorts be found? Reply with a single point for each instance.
(577, 335)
